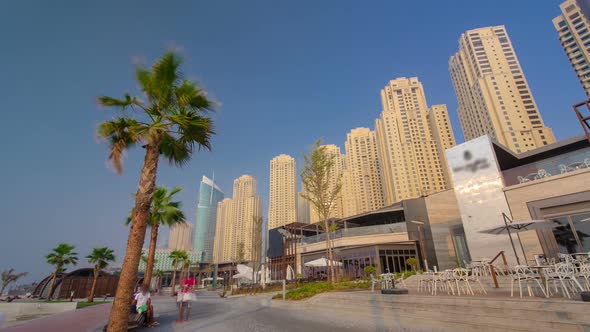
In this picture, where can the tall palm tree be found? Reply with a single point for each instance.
(8, 277)
(177, 256)
(168, 120)
(165, 212)
(100, 257)
(60, 257)
(158, 274)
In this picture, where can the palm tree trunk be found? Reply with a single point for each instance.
(149, 269)
(173, 281)
(128, 277)
(52, 286)
(91, 296)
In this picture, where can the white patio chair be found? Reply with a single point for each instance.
(567, 276)
(583, 272)
(461, 277)
(524, 274)
(425, 282)
(564, 169)
(443, 280)
(374, 281)
(475, 278)
(541, 173)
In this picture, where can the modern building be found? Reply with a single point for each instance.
(334, 178)
(493, 94)
(573, 27)
(410, 161)
(549, 183)
(236, 230)
(204, 237)
(282, 207)
(163, 262)
(181, 236)
(362, 188)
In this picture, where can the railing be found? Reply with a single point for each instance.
(501, 253)
(398, 227)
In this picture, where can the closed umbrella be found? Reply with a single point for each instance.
(519, 226)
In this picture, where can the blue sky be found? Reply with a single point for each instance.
(285, 74)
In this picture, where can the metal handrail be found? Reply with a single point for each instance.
(501, 253)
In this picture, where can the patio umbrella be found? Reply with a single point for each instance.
(519, 226)
(321, 262)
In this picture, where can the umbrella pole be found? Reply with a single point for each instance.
(522, 247)
(510, 236)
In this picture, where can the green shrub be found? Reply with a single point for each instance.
(413, 262)
(369, 270)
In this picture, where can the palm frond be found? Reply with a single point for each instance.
(177, 152)
(121, 133)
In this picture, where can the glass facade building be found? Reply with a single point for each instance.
(204, 238)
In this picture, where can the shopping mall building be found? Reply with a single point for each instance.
(447, 229)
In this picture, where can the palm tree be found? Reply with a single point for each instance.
(60, 257)
(169, 120)
(158, 274)
(166, 212)
(177, 256)
(9, 277)
(100, 257)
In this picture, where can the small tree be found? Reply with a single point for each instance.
(256, 244)
(177, 256)
(60, 257)
(412, 262)
(241, 253)
(370, 269)
(100, 257)
(322, 191)
(8, 277)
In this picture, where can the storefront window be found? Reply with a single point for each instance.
(393, 261)
(573, 233)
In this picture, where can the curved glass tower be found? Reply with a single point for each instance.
(209, 196)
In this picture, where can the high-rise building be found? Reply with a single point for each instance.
(302, 209)
(411, 164)
(282, 208)
(335, 176)
(209, 195)
(362, 178)
(236, 234)
(442, 133)
(573, 27)
(181, 237)
(493, 94)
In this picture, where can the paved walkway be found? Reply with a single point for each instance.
(85, 319)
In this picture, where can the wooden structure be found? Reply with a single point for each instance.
(583, 113)
(79, 282)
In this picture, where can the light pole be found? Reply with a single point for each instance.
(420, 225)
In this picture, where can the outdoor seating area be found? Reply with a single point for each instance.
(565, 277)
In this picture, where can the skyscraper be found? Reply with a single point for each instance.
(573, 27)
(411, 163)
(493, 94)
(362, 185)
(335, 176)
(209, 195)
(302, 209)
(235, 231)
(442, 133)
(181, 237)
(282, 208)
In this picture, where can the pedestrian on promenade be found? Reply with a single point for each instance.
(183, 300)
(142, 303)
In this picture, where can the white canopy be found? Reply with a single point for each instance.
(321, 262)
(244, 272)
(211, 279)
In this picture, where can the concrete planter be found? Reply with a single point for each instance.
(585, 296)
(394, 291)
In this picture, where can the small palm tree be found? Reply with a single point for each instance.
(8, 277)
(60, 257)
(100, 257)
(177, 256)
(168, 121)
(158, 274)
(165, 212)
